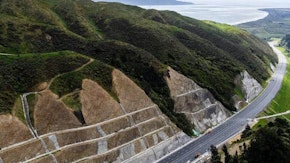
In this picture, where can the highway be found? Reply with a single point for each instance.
(234, 124)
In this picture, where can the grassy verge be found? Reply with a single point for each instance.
(281, 102)
(31, 99)
(18, 111)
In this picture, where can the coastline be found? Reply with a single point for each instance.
(253, 19)
(231, 15)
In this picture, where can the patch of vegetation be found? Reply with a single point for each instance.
(18, 110)
(270, 143)
(260, 123)
(67, 83)
(72, 81)
(73, 101)
(215, 156)
(31, 100)
(19, 73)
(281, 102)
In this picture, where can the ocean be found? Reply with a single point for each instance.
(223, 11)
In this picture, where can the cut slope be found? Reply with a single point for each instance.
(198, 104)
(12, 131)
(52, 115)
(131, 96)
(143, 130)
(97, 104)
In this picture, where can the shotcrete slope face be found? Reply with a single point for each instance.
(198, 104)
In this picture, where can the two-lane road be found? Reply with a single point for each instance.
(236, 123)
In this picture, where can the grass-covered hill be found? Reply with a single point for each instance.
(20, 74)
(139, 42)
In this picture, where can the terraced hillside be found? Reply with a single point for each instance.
(106, 130)
(112, 80)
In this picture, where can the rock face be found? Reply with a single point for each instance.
(250, 88)
(272, 67)
(198, 104)
(132, 130)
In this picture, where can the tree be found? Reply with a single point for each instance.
(247, 132)
(215, 157)
(227, 155)
(268, 146)
(236, 158)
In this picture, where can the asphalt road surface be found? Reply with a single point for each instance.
(234, 124)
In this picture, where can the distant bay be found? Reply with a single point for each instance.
(232, 14)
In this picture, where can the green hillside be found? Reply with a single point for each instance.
(20, 73)
(139, 42)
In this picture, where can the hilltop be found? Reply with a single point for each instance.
(99, 63)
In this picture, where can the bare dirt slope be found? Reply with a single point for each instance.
(50, 114)
(179, 84)
(97, 104)
(131, 96)
(134, 130)
(12, 131)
